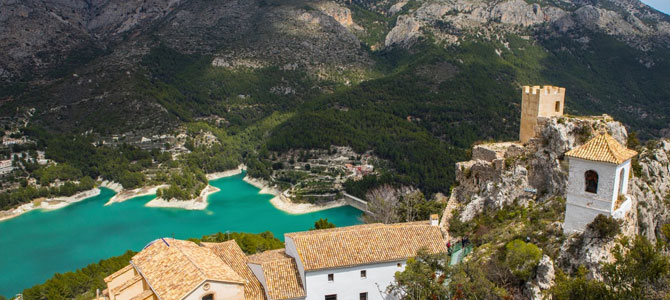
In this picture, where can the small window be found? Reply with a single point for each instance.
(558, 106)
(364, 296)
(331, 297)
(591, 181)
(399, 265)
(331, 277)
(208, 297)
(364, 274)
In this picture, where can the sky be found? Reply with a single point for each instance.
(662, 5)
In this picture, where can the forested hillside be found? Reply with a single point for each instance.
(415, 81)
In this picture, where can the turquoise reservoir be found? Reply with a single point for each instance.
(38, 244)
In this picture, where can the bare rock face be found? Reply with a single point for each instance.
(405, 33)
(502, 173)
(396, 8)
(544, 279)
(518, 12)
(631, 21)
(340, 13)
(652, 189)
(37, 35)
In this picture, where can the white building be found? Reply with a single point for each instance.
(6, 166)
(597, 182)
(356, 262)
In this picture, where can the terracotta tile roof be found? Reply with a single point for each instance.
(117, 273)
(232, 255)
(365, 244)
(174, 268)
(282, 279)
(147, 294)
(603, 148)
(126, 284)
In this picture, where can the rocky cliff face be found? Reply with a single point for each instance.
(500, 174)
(631, 21)
(651, 189)
(38, 35)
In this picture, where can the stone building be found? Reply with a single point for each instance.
(597, 182)
(539, 102)
(355, 262)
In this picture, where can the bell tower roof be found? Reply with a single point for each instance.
(602, 148)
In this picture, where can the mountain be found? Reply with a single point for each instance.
(416, 81)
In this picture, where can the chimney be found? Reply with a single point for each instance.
(434, 220)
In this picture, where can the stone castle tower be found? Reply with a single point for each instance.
(597, 182)
(539, 102)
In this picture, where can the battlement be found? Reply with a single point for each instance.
(539, 102)
(544, 90)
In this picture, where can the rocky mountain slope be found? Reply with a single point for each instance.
(442, 73)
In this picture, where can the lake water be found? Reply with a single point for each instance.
(38, 244)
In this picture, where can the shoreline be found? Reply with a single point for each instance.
(198, 203)
(124, 195)
(48, 204)
(283, 203)
(227, 173)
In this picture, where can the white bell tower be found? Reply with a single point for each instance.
(597, 182)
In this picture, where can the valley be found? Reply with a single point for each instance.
(316, 102)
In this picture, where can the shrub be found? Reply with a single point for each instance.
(605, 227)
(323, 224)
(522, 258)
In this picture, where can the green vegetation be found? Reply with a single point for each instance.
(521, 258)
(420, 279)
(26, 194)
(515, 222)
(641, 272)
(184, 185)
(80, 284)
(322, 224)
(605, 227)
(78, 158)
(250, 243)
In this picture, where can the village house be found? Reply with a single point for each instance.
(355, 262)
(6, 166)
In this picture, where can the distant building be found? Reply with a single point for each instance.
(356, 262)
(6, 140)
(6, 166)
(547, 101)
(597, 182)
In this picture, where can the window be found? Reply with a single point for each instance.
(591, 181)
(331, 297)
(558, 106)
(363, 296)
(331, 277)
(364, 274)
(208, 297)
(399, 265)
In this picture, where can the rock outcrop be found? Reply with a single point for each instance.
(543, 281)
(631, 21)
(651, 188)
(500, 174)
(503, 173)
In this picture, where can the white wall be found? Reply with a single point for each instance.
(348, 283)
(221, 291)
(581, 206)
